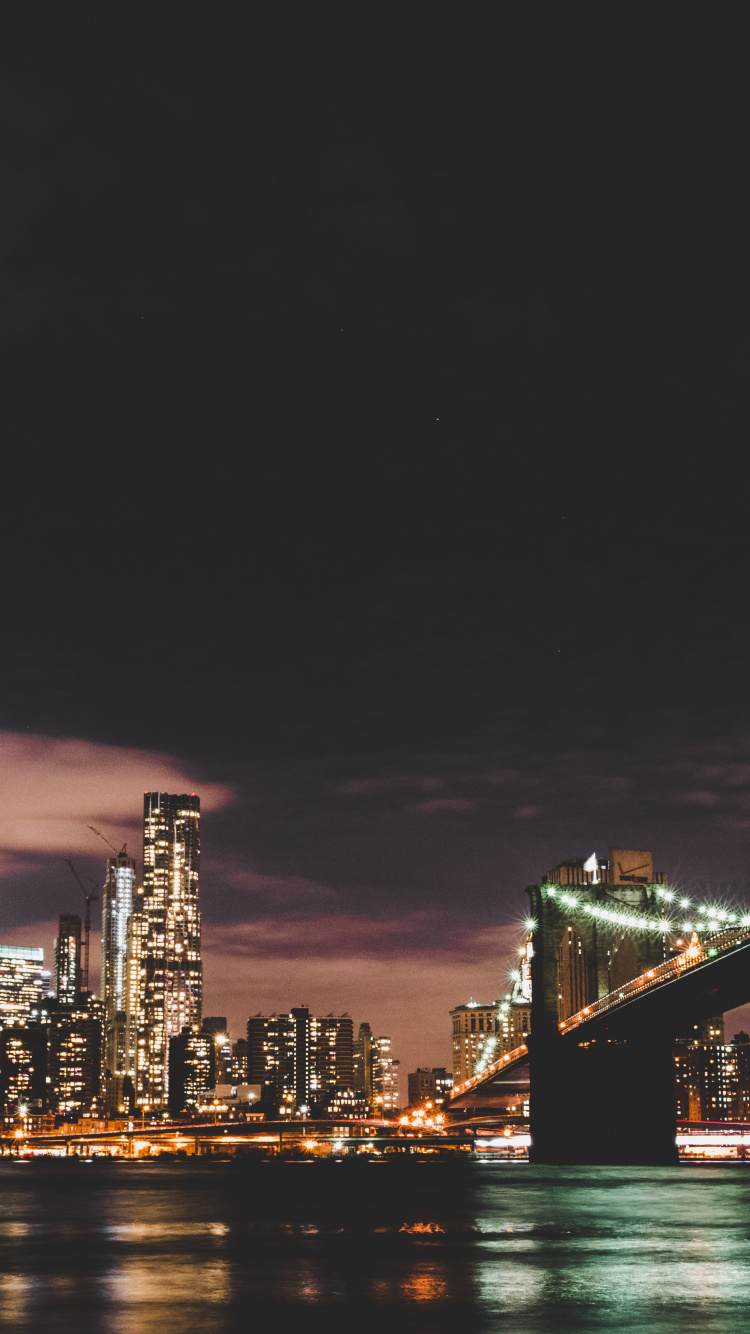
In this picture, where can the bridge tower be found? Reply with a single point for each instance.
(610, 1099)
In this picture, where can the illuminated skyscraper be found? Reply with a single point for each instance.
(117, 905)
(172, 975)
(136, 1045)
(68, 959)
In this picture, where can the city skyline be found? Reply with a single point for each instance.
(411, 1052)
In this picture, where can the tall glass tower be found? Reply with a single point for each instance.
(172, 973)
(68, 959)
(117, 905)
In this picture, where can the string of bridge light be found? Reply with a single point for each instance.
(706, 918)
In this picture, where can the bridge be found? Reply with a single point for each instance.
(621, 969)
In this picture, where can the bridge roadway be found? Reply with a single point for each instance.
(224, 1137)
(601, 1089)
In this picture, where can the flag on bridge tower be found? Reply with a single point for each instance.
(592, 866)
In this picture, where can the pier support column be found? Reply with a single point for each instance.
(610, 1101)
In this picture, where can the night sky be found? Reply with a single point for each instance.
(375, 422)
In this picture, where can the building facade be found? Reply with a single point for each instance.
(23, 980)
(68, 959)
(192, 1070)
(385, 1070)
(300, 1060)
(117, 906)
(74, 1057)
(712, 1081)
(429, 1084)
(362, 1062)
(170, 970)
(23, 1068)
(474, 1028)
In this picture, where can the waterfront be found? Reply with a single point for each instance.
(134, 1248)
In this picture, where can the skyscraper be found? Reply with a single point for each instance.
(68, 959)
(117, 905)
(172, 974)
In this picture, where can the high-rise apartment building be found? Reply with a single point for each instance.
(68, 959)
(299, 1059)
(172, 977)
(474, 1029)
(23, 981)
(384, 1076)
(117, 906)
(270, 1058)
(74, 1058)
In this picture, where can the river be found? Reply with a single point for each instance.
(156, 1248)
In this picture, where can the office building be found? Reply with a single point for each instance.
(171, 970)
(384, 1077)
(23, 981)
(23, 1068)
(192, 1070)
(474, 1029)
(117, 906)
(429, 1084)
(68, 959)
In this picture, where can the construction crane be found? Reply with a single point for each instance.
(103, 837)
(90, 898)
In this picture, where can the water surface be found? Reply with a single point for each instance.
(417, 1246)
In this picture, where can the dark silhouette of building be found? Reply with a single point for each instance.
(23, 1068)
(216, 1025)
(192, 1069)
(239, 1062)
(429, 1085)
(362, 1062)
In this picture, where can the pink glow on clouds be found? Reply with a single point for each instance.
(51, 789)
(459, 805)
(292, 889)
